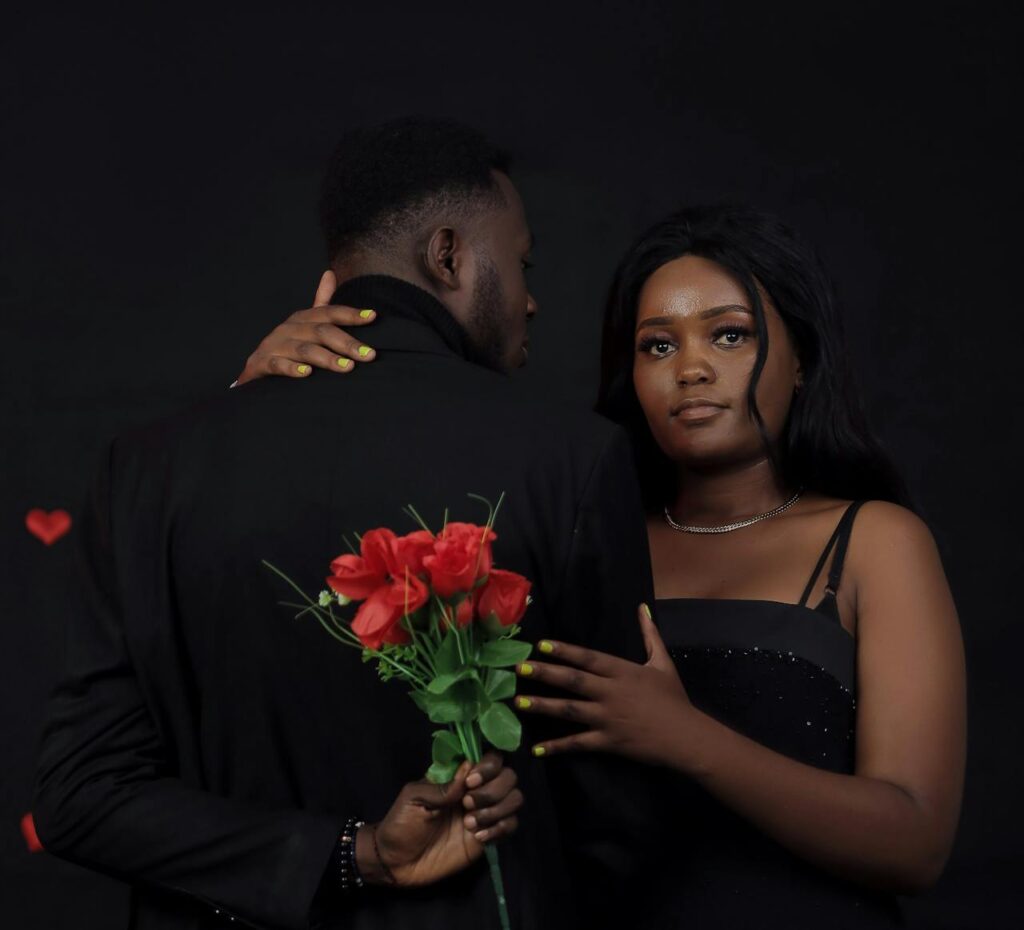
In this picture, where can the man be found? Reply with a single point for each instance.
(209, 748)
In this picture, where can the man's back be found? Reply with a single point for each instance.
(243, 705)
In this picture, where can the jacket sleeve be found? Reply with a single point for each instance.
(605, 801)
(107, 796)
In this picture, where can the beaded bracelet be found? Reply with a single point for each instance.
(348, 870)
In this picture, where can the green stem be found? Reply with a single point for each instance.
(467, 749)
(491, 852)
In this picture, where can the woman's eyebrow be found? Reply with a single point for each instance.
(703, 315)
(725, 308)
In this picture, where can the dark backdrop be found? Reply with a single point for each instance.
(158, 177)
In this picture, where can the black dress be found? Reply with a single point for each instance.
(784, 675)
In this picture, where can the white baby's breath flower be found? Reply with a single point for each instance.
(325, 598)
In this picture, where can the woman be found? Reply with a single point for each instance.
(809, 689)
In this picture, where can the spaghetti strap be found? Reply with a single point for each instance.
(842, 534)
(844, 528)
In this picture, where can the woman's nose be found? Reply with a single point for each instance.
(693, 367)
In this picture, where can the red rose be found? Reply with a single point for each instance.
(462, 555)
(410, 550)
(358, 576)
(378, 619)
(464, 613)
(505, 595)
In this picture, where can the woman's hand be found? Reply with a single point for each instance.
(312, 339)
(627, 708)
(433, 831)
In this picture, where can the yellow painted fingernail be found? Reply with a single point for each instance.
(365, 314)
(364, 351)
(304, 369)
(546, 646)
(523, 703)
(647, 610)
(344, 362)
(538, 751)
(526, 669)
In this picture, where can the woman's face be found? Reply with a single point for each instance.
(696, 342)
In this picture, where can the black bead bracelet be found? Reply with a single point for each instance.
(348, 870)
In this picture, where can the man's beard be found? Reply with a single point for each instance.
(486, 324)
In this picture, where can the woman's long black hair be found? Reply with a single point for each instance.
(826, 445)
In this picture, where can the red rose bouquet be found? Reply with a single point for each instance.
(435, 612)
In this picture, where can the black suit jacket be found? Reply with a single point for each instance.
(206, 746)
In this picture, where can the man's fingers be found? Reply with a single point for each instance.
(490, 816)
(490, 792)
(501, 828)
(325, 289)
(486, 769)
(431, 796)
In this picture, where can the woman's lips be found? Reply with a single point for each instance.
(698, 413)
(697, 408)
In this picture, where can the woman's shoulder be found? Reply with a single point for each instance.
(889, 545)
(888, 524)
(875, 520)
(882, 534)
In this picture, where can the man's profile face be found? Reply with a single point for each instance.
(501, 303)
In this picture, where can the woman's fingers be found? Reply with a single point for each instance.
(306, 338)
(326, 288)
(582, 712)
(273, 365)
(560, 676)
(590, 741)
(590, 660)
(341, 315)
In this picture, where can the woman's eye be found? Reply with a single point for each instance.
(730, 337)
(656, 347)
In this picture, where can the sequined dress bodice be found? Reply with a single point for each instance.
(783, 675)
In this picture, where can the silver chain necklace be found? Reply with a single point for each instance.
(729, 527)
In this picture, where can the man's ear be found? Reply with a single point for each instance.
(442, 257)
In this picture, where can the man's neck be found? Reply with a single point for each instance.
(361, 264)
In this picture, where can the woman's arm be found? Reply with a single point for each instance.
(311, 339)
(891, 824)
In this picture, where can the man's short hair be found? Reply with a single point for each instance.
(383, 180)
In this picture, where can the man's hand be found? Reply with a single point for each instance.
(433, 831)
(311, 339)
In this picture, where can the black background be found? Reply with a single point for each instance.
(158, 178)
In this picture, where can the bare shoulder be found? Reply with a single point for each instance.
(893, 561)
(883, 529)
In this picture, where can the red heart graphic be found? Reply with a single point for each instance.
(28, 830)
(49, 527)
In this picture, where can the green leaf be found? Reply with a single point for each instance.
(459, 704)
(501, 685)
(439, 774)
(443, 682)
(446, 659)
(422, 700)
(446, 748)
(501, 727)
(504, 652)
